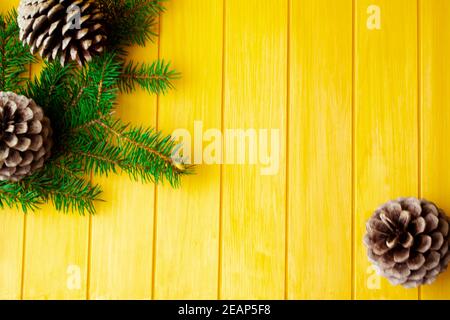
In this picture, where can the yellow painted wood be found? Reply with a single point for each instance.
(122, 231)
(253, 220)
(11, 232)
(56, 255)
(11, 245)
(188, 218)
(121, 241)
(320, 150)
(435, 84)
(386, 132)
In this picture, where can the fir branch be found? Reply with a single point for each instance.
(144, 154)
(131, 22)
(62, 183)
(94, 91)
(97, 156)
(155, 78)
(137, 137)
(80, 103)
(74, 195)
(49, 90)
(85, 126)
(106, 145)
(15, 195)
(15, 58)
(149, 149)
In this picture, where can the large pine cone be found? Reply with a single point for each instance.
(408, 241)
(25, 137)
(62, 29)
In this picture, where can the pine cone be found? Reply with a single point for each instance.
(408, 241)
(25, 137)
(62, 29)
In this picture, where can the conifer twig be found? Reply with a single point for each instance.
(80, 103)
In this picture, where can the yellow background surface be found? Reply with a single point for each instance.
(364, 114)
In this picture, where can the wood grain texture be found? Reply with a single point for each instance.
(56, 255)
(386, 132)
(11, 253)
(320, 150)
(11, 232)
(435, 84)
(122, 231)
(253, 221)
(188, 218)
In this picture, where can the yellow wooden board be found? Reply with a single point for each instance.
(435, 97)
(188, 218)
(56, 255)
(320, 150)
(358, 91)
(255, 90)
(386, 130)
(11, 254)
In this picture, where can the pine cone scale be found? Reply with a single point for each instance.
(401, 255)
(416, 262)
(407, 240)
(423, 243)
(437, 240)
(444, 248)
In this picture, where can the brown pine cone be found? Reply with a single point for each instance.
(25, 137)
(408, 241)
(62, 29)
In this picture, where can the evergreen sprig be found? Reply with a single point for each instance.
(135, 22)
(156, 77)
(80, 103)
(130, 22)
(14, 57)
(17, 195)
(65, 186)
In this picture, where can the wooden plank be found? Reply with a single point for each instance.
(56, 255)
(253, 224)
(386, 132)
(11, 245)
(435, 84)
(187, 247)
(320, 150)
(122, 231)
(11, 231)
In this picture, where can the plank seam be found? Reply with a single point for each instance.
(353, 173)
(24, 239)
(222, 124)
(89, 256)
(419, 109)
(288, 104)
(155, 195)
